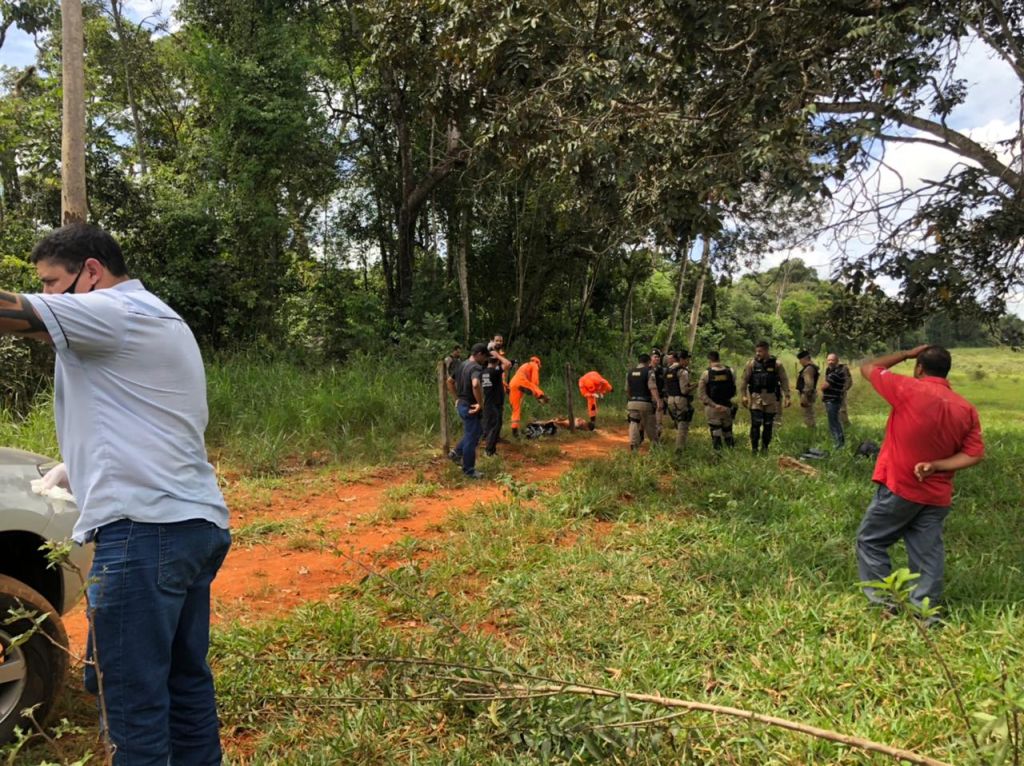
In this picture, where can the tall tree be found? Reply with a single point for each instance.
(73, 199)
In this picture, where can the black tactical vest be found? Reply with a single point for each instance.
(659, 379)
(764, 376)
(800, 378)
(672, 387)
(637, 384)
(721, 385)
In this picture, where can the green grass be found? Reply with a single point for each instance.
(714, 577)
(256, 532)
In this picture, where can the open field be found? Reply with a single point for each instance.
(717, 578)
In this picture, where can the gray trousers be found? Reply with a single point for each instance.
(888, 518)
(641, 423)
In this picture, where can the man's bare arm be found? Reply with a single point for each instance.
(17, 317)
(956, 462)
(889, 360)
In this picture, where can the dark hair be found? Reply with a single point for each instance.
(713, 356)
(72, 245)
(644, 358)
(762, 344)
(935, 361)
(804, 354)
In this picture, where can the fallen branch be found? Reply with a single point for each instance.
(671, 702)
(553, 686)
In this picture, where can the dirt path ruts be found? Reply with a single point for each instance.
(278, 572)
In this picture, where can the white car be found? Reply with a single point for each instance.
(33, 673)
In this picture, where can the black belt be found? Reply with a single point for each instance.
(639, 399)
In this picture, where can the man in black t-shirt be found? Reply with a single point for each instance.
(494, 402)
(469, 405)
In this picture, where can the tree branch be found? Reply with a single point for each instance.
(960, 143)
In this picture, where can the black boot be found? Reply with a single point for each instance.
(716, 442)
(593, 424)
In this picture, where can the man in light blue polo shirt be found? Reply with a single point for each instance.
(130, 408)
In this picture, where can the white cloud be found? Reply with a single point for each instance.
(154, 11)
(993, 89)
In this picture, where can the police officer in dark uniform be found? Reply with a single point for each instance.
(644, 400)
(659, 377)
(807, 386)
(716, 389)
(679, 394)
(762, 382)
(494, 402)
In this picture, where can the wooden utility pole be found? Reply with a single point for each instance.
(684, 252)
(72, 146)
(698, 296)
(442, 396)
(568, 396)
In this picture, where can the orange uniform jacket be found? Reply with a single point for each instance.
(528, 377)
(592, 383)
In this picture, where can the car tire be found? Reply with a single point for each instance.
(34, 672)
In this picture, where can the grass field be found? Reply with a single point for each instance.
(711, 577)
(716, 579)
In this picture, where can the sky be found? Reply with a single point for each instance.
(19, 49)
(989, 113)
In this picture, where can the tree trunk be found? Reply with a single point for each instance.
(386, 242)
(415, 192)
(782, 287)
(685, 255)
(463, 253)
(72, 146)
(627, 315)
(589, 285)
(520, 259)
(698, 296)
(140, 149)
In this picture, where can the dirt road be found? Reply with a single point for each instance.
(298, 542)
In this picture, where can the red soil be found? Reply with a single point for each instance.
(336, 530)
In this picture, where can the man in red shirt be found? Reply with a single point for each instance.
(932, 432)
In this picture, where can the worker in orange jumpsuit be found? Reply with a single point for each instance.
(526, 380)
(593, 387)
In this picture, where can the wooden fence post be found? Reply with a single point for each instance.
(568, 395)
(442, 395)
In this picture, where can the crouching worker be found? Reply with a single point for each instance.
(644, 400)
(525, 381)
(716, 389)
(592, 388)
(679, 394)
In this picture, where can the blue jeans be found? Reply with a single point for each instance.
(472, 430)
(890, 517)
(149, 593)
(835, 425)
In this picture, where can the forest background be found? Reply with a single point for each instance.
(333, 188)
